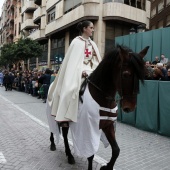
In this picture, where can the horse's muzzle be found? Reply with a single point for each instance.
(128, 105)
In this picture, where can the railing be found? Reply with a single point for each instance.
(134, 3)
(70, 5)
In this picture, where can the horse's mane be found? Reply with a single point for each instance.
(106, 70)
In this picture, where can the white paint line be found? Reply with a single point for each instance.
(26, 113)
(97, 158)
(2, 159)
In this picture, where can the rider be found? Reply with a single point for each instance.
(80, 60)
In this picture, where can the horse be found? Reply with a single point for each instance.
(119, 72)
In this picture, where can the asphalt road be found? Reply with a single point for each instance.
(140, 150)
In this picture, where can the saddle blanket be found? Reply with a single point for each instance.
(85, 132)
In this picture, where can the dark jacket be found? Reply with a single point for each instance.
(6, 79)
(45, 79)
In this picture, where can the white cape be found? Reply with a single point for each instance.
(63, 95)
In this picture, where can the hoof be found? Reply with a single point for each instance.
(52, 147)
(71, 160)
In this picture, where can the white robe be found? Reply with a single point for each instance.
(85, 132)
(63, 95)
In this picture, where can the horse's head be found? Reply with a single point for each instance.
(132, 70)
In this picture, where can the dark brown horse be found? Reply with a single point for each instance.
(120, 71)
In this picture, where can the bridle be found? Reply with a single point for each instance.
(135, 80)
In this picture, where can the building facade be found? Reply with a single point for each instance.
(160, 14)
(17, 21)
(3, 37)
(53, 24)
(10, 21)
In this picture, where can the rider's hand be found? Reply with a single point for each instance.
(84, 74)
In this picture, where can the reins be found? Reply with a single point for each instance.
(83, 87)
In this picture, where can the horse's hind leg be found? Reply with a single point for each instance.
(110, 134)
(67, 148)
(90, 162)
(52, 146)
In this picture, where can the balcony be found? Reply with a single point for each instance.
(28, 24)
(87, 11)
(37, 34)
(37, 14)
(50, 3)
(29, 7)
(10, 32)
(38, 2)
(11, 4)
(120, 11)
(10, 18)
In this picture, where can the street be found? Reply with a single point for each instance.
(25, 148)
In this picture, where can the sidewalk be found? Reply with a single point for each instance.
(24, 144)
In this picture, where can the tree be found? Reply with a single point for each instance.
(22, 50)
(27, 48)
(7, 54)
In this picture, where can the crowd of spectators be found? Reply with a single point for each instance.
(35, 83)
(159, 69)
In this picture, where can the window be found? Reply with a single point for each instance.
(160, 24)
(167, 2)
(54, 43)
(58, 50)
(22, 18)
(15, 29)
(153, 12)
(19, 29)
(168, 20)
(160, 6)
(51, 15)
(120, 1)
(105, 1)
(71, 4)
(22, 3)
(153, 27)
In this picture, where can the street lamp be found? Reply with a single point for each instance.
(141, 28)
(132, 31)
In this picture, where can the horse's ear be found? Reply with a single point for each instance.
(144, 51)
(122, 52)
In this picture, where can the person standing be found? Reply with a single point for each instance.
(163, 59)
(53, 76)
(156, 60)
(11, 76)
(80, 60)
(1, 78)
(45, 79)
(149, 71)
(6, 81)
(163, 70)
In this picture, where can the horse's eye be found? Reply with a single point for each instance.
(126, 74)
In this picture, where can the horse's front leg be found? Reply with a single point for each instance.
(90, 162)
(52, 146)
(67, 148)
(110, 135)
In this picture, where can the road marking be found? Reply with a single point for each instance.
(97, 158)
(26, 113)
(2, 159)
